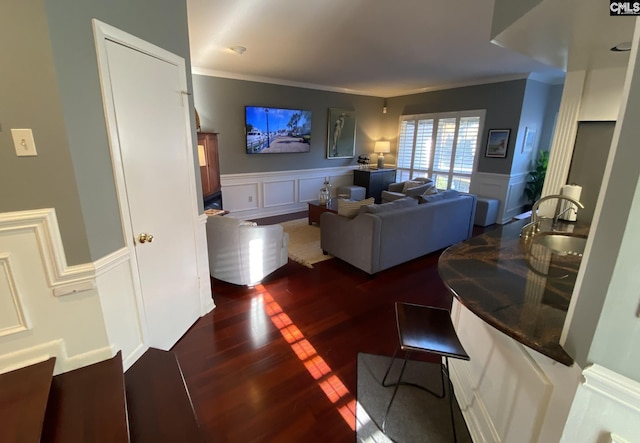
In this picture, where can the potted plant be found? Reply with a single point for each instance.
(533, 189)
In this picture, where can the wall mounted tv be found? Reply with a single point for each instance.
(277, 130)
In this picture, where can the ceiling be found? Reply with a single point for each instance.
(389, 48)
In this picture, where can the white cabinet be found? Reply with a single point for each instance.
(508, 392)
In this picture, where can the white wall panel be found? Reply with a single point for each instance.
(508, 393)
(606, 404)
(278, 193)
(12, 318)
(508, 190)
(309, 188)
(240, 197)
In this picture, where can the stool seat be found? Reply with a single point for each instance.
(425, 329)
(428, 329)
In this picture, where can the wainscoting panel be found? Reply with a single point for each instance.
(606, 404)
(12, 318)
(120, 314)
(278, 193)
(515, 197)
(506, 393)
(509, 190)
(309, 188)
(38, 269)
(241, 197)
(281, 192)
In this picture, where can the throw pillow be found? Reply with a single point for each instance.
(431, 190)
(410, 184)
(389, 206)
(349, 208)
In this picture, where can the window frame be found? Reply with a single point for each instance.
(414, 171)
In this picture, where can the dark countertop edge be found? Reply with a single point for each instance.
(556, 353)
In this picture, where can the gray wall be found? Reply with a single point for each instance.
(30, 99)
(514, 104)
(220, 103)
(534, 111)
(502, 101)
(52, 86)
(590, 153)
(163, 23)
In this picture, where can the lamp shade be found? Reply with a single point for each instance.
(382, 147)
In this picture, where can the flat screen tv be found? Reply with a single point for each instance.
(277, 130)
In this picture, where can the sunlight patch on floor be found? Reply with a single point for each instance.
(317, 367)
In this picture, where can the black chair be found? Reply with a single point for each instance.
(430, 330)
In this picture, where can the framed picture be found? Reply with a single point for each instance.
(529, 139)
(341, 133)
(497, 143)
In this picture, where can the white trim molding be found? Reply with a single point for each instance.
(47, 305)
(43, 223)
(264, 194)
(206, 294)
(606, 403)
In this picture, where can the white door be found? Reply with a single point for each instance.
(150, 119)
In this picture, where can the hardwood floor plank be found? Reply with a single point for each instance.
(23, 402)
(247, 382)
(159, 407)
(88, 404)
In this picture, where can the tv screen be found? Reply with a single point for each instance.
(277, 130)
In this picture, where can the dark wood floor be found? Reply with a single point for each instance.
(277, 362)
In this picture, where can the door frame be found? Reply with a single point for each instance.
(103, 33)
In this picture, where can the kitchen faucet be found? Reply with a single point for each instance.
(531, 228)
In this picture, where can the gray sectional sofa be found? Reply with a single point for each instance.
(388, 234)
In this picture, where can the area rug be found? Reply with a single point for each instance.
(304, 242)
(415, 415)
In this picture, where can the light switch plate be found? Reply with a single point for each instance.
(23, 142)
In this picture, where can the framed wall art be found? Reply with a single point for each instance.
(341, 133)
(497, 143)
(529, 139)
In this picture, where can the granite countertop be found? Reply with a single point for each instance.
(523, 292)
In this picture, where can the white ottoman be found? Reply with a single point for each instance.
(352, 192)
(486, 211)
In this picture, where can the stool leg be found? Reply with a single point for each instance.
(395, 390)
(393, 359)
(453, 423)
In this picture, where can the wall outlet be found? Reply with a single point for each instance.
(250, 198)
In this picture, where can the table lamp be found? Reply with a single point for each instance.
(381, 147)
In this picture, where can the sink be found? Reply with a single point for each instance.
(561, 244)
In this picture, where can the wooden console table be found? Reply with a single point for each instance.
(374, 181)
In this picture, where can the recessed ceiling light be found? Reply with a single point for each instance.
(622, 47)
(238, 49)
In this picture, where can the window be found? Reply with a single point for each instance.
(440, 146)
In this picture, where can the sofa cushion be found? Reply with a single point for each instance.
(349, 208)
(442, 195)
(389, 206)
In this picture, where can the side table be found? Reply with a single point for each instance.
(316, 209)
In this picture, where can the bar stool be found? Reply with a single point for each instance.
(430, 330)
